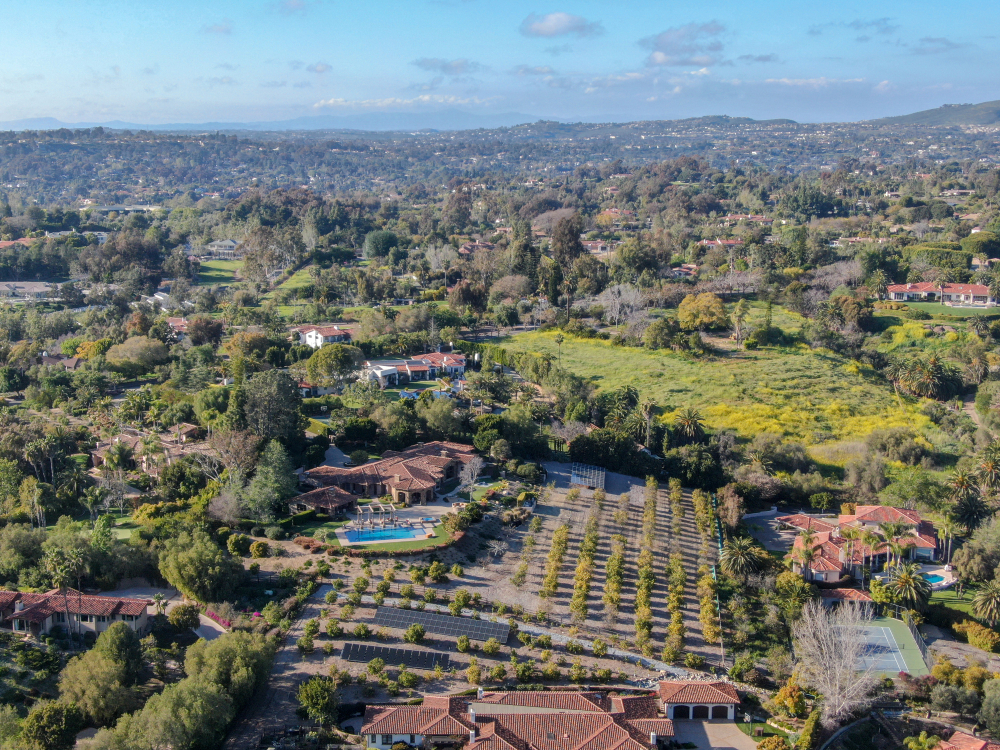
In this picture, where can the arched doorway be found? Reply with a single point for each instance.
(720, 712)
(415, 498)
(700, 712)
(682, 712)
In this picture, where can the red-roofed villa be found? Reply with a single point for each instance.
(38, 614)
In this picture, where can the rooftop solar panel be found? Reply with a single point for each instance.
(477, 630)
(588, 476)
(365, 652)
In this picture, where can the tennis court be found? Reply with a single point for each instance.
(891, 649)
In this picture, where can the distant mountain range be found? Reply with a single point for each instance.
(445, 119)
(987, 113)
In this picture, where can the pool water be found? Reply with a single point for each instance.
(934, 578)
(384, 535)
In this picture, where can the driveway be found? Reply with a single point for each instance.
(334, 457)
(765, 531)
(713, 734)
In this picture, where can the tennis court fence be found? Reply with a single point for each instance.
(900, 613)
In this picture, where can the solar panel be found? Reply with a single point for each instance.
(365, 652)
(588, 476)
(477, 630)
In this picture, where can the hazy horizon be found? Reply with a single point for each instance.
(274, 60)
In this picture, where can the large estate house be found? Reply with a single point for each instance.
(843, 546)
(518, 720)
(316, 336)
(39, 614)
(390, 373)
(963, 295)
(412, 476)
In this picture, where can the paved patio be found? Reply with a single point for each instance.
(713, 734)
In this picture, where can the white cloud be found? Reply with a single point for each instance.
(813, 83)
(459, 67)
(319, 68)
(884, 87)
(533, 70)
(559, 24)
(393, 102)
(694, 44)
(222, 81)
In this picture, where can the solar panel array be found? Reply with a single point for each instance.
(365, 652)
(477, 630)
(587, 475)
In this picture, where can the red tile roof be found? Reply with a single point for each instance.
(327, 498)
(38, 607)
(885, 514)
(805, 522)
(963, 741)
(698, 692)
(923, 287)
(556, 720)
(417, 468)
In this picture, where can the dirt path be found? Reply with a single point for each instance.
(969, 407)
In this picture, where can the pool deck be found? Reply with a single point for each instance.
(937, 569)
(422, 519)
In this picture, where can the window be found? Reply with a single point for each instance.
(86, 618)
(386, 739)
(102, 618)
(59, 617)
(413, 740)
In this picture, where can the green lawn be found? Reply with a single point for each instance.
(218, 272)
(813, 396)
(944, 311)
(415, 385)
(748, 728)
(949, 598)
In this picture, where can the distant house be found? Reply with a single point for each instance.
(27, 289)
(963, 295)
(471, 248)
(426, 366)
(316, 336)
(596, 247)
(185, 433)
(721, 243)
(38, 614)
(178, 326)
(308, 390)
(58, 360)
(10, 243)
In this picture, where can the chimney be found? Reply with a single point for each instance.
(472, 714)
(479, 694)
(652, 739)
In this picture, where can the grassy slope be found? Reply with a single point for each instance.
(218, 272)
(816, 397)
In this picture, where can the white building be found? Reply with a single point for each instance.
(316, 336)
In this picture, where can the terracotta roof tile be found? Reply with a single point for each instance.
(698, 692)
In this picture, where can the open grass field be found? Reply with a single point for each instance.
(218, 272)
(813, 396)
(938, 310)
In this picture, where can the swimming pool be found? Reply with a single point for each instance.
(933, 578)
(384, 535)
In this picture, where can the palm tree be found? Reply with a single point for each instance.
(689, 425)
(118, 457)
(851, 534)
(58, 567)
(740, 557)
(979, 325)
(986, 603)
(92, 499)
(994, 284)
(648, 409)
(948, 530)
(159, 602)
(977, 370)
(559, 338)
(892, 531)
(151, 448)
(878, 282)
(909, 586)
(922, 741)
(962, 484)
(740, 311)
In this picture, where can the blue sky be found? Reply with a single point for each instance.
(188, 61)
